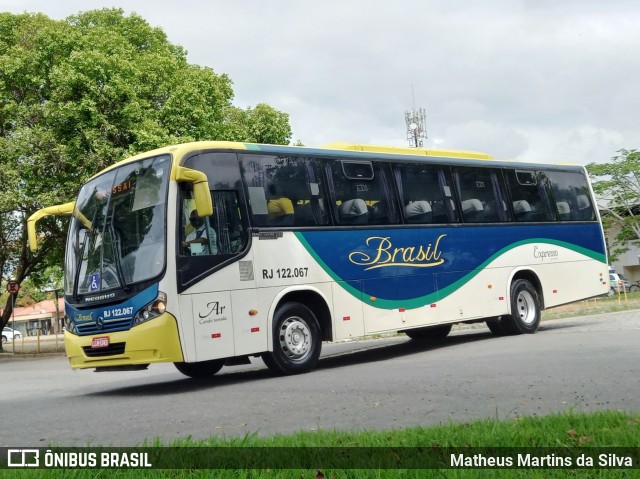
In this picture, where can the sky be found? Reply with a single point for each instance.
(531, 80)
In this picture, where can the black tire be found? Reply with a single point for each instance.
(525, 309)
(432, 333)
(202, 369)
(497, 327)
(634, 288)
(297, 340)
(4, 339)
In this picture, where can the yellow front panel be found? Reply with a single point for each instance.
(155, 341)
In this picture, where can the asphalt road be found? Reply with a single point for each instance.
(583, 364)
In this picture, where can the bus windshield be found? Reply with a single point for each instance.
(117, 234)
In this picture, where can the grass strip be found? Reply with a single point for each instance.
(570, 431)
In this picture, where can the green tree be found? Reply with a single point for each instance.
(262, 124)
(617, 186)
(79, 94)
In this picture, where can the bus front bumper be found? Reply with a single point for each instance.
(155, 341)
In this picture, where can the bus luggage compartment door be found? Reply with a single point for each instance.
(211, 325)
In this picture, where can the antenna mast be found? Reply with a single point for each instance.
(416, 120)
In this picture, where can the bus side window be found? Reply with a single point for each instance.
(482, 195)
(284, 191)
(571, 195)
(529, 195)
(426, 194)
(279, 206)
(362, 193)
(227, 222)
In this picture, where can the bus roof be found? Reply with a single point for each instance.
(399, 150)
(352, 150)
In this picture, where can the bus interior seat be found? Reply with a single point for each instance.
(472, 210)
(522, 210)
(584, 208)
(491, 211)
(439, 212)
(280, 212)
(353, 212)
(378, 213)
(418, 212)
(564, 211)
(306, 216)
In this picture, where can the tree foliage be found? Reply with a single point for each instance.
(617, 186)
(79, 94)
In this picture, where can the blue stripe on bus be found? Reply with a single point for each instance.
(401, 264)
(115, 317)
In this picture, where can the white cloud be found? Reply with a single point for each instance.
(537, 80)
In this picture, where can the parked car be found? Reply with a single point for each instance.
(9, 334)
(619, 283)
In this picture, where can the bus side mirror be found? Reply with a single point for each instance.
(65, 209)
(201, 193)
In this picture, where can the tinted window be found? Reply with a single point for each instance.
(529, 196)
(482, 197)
(219, 234)
(362, 193)
(285, 190)
(426, 194)
(221, 169)
(571, 196)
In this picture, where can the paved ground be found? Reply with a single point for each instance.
(584, 364)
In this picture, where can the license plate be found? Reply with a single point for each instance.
(102, 342)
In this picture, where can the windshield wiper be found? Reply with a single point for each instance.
(116, 257)
(79, 256)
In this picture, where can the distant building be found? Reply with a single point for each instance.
(627, 263)
(42, 318)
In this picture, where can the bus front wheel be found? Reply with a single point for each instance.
(296, 340)
(202, 369)
(525, 308)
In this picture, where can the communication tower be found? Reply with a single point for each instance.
(416, 120)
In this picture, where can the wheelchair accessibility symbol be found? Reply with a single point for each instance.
(94, 282)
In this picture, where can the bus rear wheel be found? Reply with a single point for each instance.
(296, 340)
(433, 333)
(525, 309)
(202, 369)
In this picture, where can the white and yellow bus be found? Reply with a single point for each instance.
(212, 253)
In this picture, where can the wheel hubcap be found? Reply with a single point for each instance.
(526, 307)
(295, 338)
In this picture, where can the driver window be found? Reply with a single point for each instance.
(219, 234)
(199, 237)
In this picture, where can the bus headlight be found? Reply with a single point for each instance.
(152, 310)
(70, 325)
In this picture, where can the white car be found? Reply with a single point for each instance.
(618, 283)
(9, 334)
